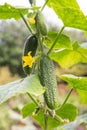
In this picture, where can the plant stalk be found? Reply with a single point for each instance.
(56, 117)
(40, 43)
(32, 99)
(29, 28)
(39, 39)
(44, 5)
(46, 121)
(54, 43)
(67, 96)
(34, 2)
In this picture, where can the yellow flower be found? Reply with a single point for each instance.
(31, 21)
(28, 60)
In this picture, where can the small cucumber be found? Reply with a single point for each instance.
(31, 1)
(40, 23)
(31, 44)
(48, 79)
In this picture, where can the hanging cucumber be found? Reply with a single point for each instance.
(48, 79)
(30, 45)
(31, 1)
(40, 23)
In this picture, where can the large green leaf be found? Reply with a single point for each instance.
(66, 58)
(83, 52)
(63, 41)
(64, 4)
(73, 125)
(70, 13)
(83, 96)
(75, 81)
(30, 84)
(67, 111)
(7, 12)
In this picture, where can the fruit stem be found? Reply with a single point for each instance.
(39, 39)
(40, 43)
(56, 117)
(54, 43)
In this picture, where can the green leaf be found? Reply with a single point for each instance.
(73, 125)
(66, 58)
(7, 12)
(64, 4)
(63, 41)
(83, 51)
(67, 111)
(75, 81)
(40, 118)
(70, 13)
(30, 84)
(52, 123)
(83, 96)
(28, 109)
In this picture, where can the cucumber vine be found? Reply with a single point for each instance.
(38, 56)
(50, 95)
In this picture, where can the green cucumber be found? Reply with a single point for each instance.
(48, 79)
(40, 23)
(31, 1)
(31, 44)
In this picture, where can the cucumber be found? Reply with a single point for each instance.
(31, 1)
(30, 44)
(40, 23)
(48, 79)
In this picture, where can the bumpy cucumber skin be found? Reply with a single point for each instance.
(30, 44)
(48, 79)
(40, 23)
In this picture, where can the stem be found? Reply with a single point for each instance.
(40, 43)
(44, 5)
(68, 96)
(39, 39)
(34, 2)
(56, 117)
(32, 99)
(54, 43)
(46, 121)
(29, 28)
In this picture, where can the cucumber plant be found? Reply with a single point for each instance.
(41, 48)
